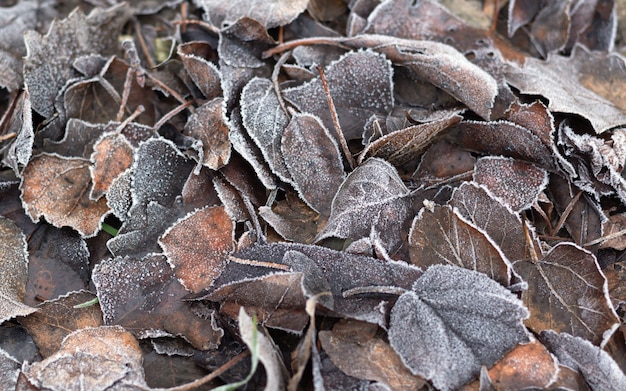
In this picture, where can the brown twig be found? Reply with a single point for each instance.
(304, 42)
(125, 94)
(204, 25)
(566, 212)
(211, 376)
(333, 113)
(171, 114)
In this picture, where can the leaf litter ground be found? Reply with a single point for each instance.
(312, 194)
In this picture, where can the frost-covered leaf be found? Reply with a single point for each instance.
(98, 359)
(208, 126)
(293, 219)
(57, 188)
(58, 263)
(14, 266)
(373, 197)
(241, 45)
(204, 73)
(360, 85)
(59, 317)
(443, 236)
(14, 21)
(46, 65)
(567, 292)
(575, 85)
(265, 122)
(502, 138)
(407, 144)
(441, 65)
(517, 184)
(453, 322)
(600, 371)
(313, 161)
(501, 225)
(112, 155)
(9, 370)
(270, 14)
(143, 294)
(18, 153)
(343, 271)
(198, 245)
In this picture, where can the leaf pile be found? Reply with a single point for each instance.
(359, 195)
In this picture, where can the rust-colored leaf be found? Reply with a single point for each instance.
(198, 246)
(57, 188)
(112, 155)
(207, 125)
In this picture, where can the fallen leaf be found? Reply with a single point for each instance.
(45, 65)
(14, 258)
(143, 294)
(360, 85)
(569, 85)
(198, 246)
(372, 197)
(436, 338)
(313, 161)
(208, 126)
(91, 358)
(526, 366)
(204, 73)
(265, 121)
(17, 154)
(112, 155)
(443, 236)
(57, 188)
(280, 13)
(368, 358)
(293, 219)
(596, 366)
(58, 318)
(567, 292)
(517, 184)
(10, 370)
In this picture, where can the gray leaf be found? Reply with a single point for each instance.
(454, 321)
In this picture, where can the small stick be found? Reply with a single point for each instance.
(333, 113)
(603, 239)
(142, 43)
(7, 136)
(529, 241)
(566, 212)
(494, 18)
(171, 114)
(140, 109)
(275, 73)
(127, 85)
(211, 376)
(259, 263)
(203, 24)
(303, 42)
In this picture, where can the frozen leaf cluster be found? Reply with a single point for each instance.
(363, 195)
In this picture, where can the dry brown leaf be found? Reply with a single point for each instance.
(57, 188)
(367, 357)
(198, 246)
(112, 155)
(58, 318)
(102, 358)
(567, 292)
(208, 126)
(278, 13)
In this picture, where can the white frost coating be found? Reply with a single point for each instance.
(21, 149)
(360, 84)
(119, 196)
(434, 337)
(270, 13)
(265, 121)
(314, 162)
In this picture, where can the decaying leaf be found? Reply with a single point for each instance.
(278, 13)
(95, 33)
(204, 73)
(443, 236)
(14, 258)
(452, 322)
(57, 188)
(365, 356)
(198, 245)
(372, 197)
(313, 161)
(58, 318)
(360, 85)
(567, 292)
(208, 126)
(517, 184)
(99, 358)
(597, 367)
(144, 294)
(112, 155)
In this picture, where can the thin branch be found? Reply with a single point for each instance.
(333, 113)
(171, 114)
